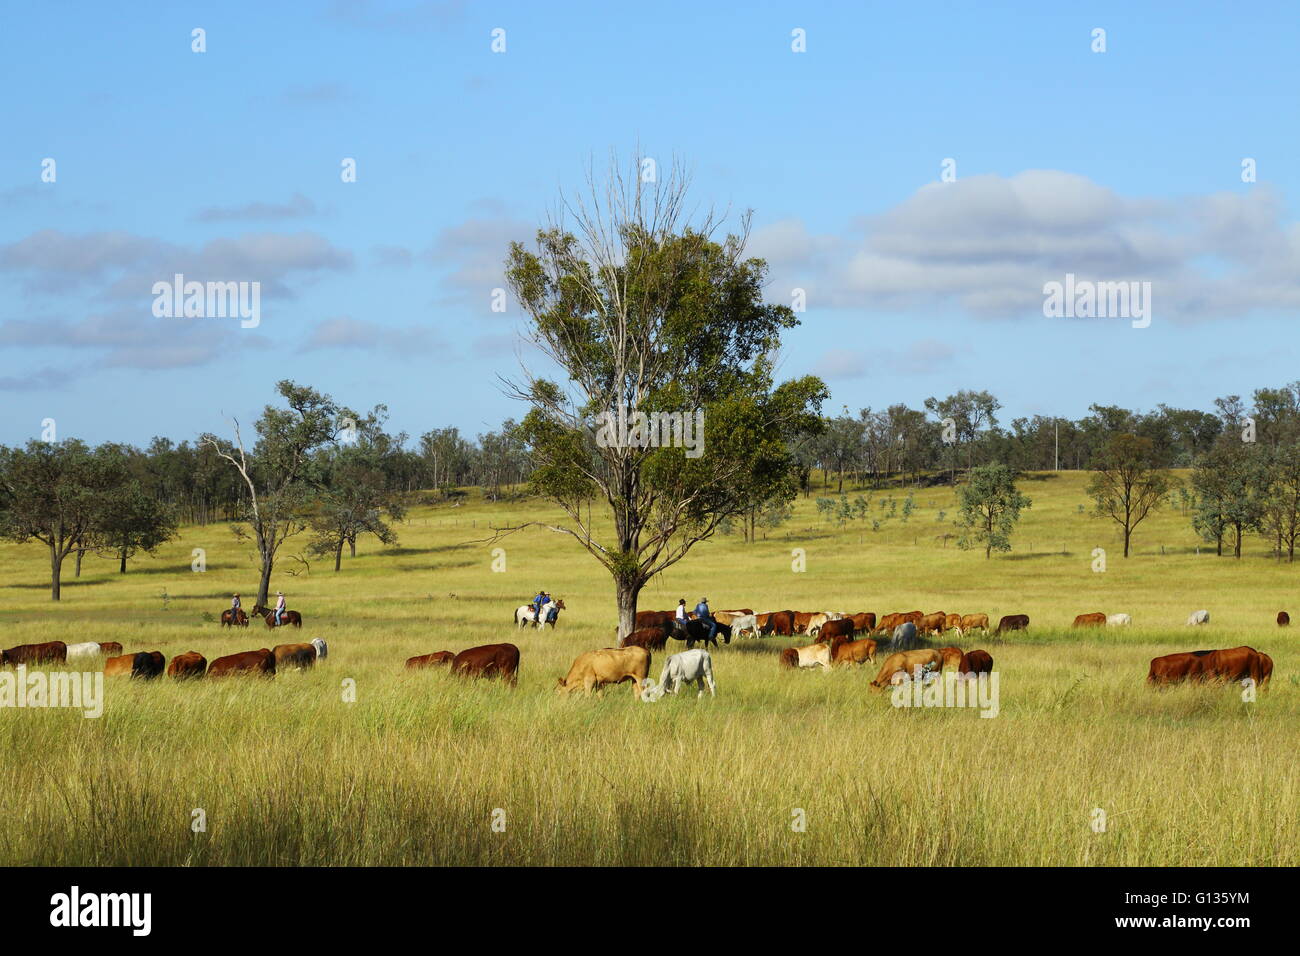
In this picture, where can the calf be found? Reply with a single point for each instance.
(186, 666)
(742, 624)
(435, 659)
(909, 663)
(1095, 619)
(609, 665)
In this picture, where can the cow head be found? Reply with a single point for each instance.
(650, 691)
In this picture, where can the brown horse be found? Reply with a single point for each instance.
(242, 621)
(268, 615)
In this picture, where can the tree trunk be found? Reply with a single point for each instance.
(121, 568)
(628, 591)
(1128, 534)
(264, 587)
(352, 545)
(56, 572)
(80, 554)
(338, 556)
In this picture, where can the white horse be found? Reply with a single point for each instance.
(524, 614)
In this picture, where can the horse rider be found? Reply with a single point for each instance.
(234, 609)
(538, 603)
(279, 607)
(702, 614)
(681, 617)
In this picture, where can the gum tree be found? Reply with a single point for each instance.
(640, 310)
(989, 507)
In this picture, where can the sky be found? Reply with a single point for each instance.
(920, 171)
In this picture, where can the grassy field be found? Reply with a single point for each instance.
(417, 768)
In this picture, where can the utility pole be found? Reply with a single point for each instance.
(1057, 423)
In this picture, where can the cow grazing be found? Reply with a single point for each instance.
(1198, 617)
(259, 663)
(951, 658)
(863, 623)
(833, 629)
(186, 666)
(146, 665)
(1095, 619)
(51, 652)
(848, 651)
(975, 662)
(435, 659)
(293, 656)
(909, 663)
(688, 667)
(888, 623)
(742, 624)
(1283, 619)
(1265, 670)
(904, 636)
(801, 621)
(780, 623)
(82, 652)
(1013, 622)
(952, 622)
(110, 648)
(1118, 620)
(971, 621)
(933, 623)
(655, 619)
(322, 649)
(609, 665)
(1229, 665)
(489, 660)
(813, 655)
(729, 617)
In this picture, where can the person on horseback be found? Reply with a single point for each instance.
(702, 614)
(538, 603)
(279, 607)
(234, 609)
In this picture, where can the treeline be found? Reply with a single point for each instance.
(951, 435)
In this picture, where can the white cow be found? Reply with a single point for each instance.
(687, 667)
(322, 649)
(744, 622)
(81, 652)
(813, 655)
(1118, 620)
(1199, 617)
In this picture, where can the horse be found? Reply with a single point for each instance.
(550, 614)
(268, 615)
(242, 620)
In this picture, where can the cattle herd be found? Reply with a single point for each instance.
(149, 664)
(838, 639)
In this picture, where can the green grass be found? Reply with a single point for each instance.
(289, 773)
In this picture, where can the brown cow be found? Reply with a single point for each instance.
(110, 648)
(1227, 665)
(293, 656)
(907, 662)
(1013, 622)
(888, 623)
(975, 662)
(1095, 619)
(1175, 668)
(726, 617)
(801, 621)
(655, 619)
(952, 623)
(1283, 618)
(848, 651)
(951, 658)
(592, 670)
(188, 665)
(430, 660)
(777, 622)
(145, 665)
(932, 623)
(260, 663)
(651, 638)
(833, 629)
(51, 652)
(863, 623)
(970, 621)
(489, 660)
(1265, 670)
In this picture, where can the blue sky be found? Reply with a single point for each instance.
(1122, 165)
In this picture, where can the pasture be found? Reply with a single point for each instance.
(287, 772)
